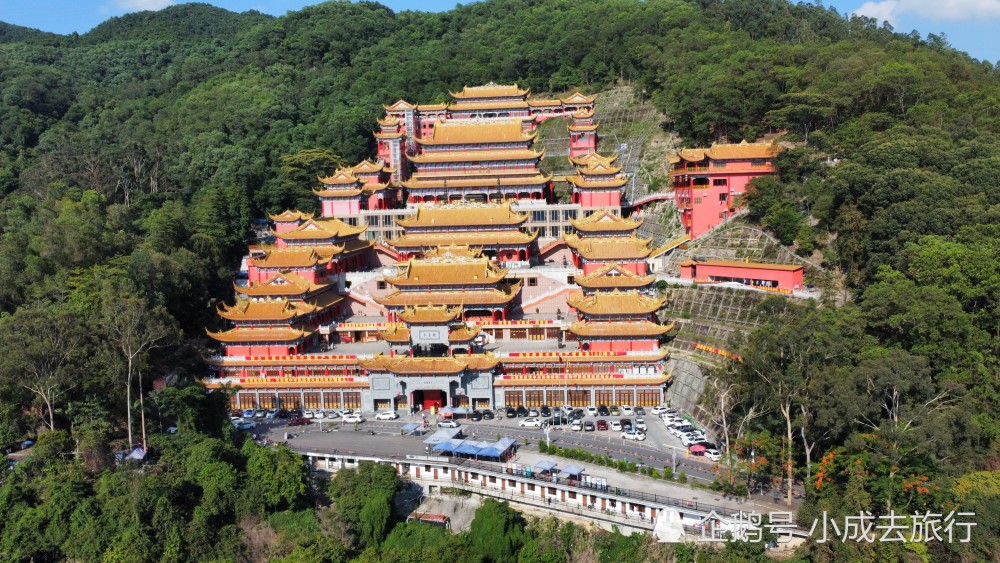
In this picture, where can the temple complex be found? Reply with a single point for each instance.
(421, 281)
(710, 183)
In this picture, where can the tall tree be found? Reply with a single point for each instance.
(42, 344)
(133, 330)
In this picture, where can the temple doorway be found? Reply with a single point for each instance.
(425, 399)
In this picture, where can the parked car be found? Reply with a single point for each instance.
(488, 415)
(659, 410)
(627, 410)
(626, 424)
(592, 411)
(259, 413)
(588, 426)
(532, 422)
(271, 414)
(282, 413)
(171, 430)
(299, 421)
(387, 415)
(713, 454)
(576, 425)
(688, 440)
(236, 413)
(331, 415)
(602, 424)
(637, 436)
(521, 412)
(511, 413)
(248, 413)
(558, 420)
(603, 410)
(681, 430)
(353, 418)
(614, 411)
(639, 411)
(448, 424)
(533, 413)
(545, 411)
(640, 424)
(247, 425)
(616, 426)
(475, 416)
(309, 414)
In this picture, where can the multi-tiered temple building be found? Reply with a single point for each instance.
(445, 273)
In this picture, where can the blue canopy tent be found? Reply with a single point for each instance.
(544, 466)
(572, 472)
(497, 449)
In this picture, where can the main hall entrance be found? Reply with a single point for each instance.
(425, 399)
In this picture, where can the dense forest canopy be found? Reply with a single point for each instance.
(134, 158)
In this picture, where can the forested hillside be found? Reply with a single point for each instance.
(134, 158)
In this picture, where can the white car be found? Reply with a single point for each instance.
(531, 423)
(271, 414)
(309, 414)
(387, 415)
(640, 424)
(592, 411)
(448, 424)
(353, 418)
(616, 426)
(577, 426)
(689, 440)
(627, 410)
(330, 415)
(533, 413)
(638, 436)
(713, 454)
(659, 410)
(259, 413)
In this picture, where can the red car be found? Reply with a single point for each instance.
(299, 421)
(602, 424)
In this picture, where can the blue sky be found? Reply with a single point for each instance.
(970, 25)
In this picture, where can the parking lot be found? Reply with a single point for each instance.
(659, 449)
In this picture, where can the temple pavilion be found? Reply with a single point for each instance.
(466, 159)
(598, 182)
(452, 276)
(495, 229)
(603, 240)
(432, 329)
(277, 317)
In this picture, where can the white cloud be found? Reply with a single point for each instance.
(139, 5)
(934, 10)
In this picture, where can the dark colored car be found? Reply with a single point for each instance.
(626, 424)
(488, 415)
(603, 411)
(558, 420)
(511, 413)
(578, 414)
(522, 412)
(588, 426)
(546, 411)
(475, 416)
(602, 424)
(236, 413)
(299, 421)
(282, 413)
(639, 411)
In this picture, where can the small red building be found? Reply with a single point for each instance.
(710, 184)
(785, 277)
